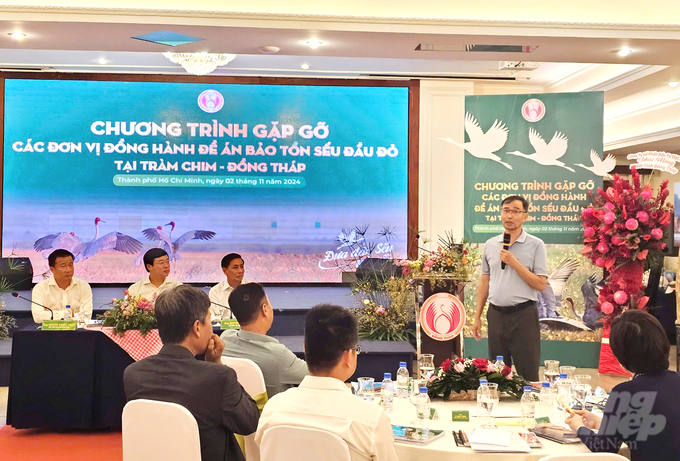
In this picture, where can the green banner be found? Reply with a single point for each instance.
(543, 147)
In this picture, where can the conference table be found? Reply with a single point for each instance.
(66, 380)
(445, 448)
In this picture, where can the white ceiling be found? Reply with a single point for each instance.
(576, 45)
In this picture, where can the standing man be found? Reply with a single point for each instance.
(61, 290)
(234, 268)
(514, 270)
(157, 264)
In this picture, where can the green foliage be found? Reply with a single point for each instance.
(6, 322)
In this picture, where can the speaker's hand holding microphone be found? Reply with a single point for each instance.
(506, 245)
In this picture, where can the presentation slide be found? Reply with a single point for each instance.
(300, 180)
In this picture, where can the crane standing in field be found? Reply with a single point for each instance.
(165, 241)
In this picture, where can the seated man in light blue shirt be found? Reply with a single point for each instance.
(251, 307)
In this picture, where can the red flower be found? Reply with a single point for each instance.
(481, 363)
(446, 365)
(506, 370)
(460, 360)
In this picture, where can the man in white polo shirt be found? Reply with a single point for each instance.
(323, 400)
(233, 267)
(512, 276)
(157, 264)
(61, 290)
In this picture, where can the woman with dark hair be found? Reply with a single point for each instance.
(645, 411)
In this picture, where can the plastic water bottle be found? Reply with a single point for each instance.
(423, 413)
(402, 381)
(557, 381)
(67, 312)
(480, 389)
(528, 407)
(499, 363)
(546, 399)
(387, 393)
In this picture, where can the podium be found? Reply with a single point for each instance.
(441, 350)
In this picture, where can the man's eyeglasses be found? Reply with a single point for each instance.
(358, 349)
(512, 212)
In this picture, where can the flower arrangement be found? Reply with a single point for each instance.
(624, 228)
(450, 260)
(463, 376)
(131, 313)
(385, 310)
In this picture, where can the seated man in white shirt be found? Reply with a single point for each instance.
(157, 264)
(61, 290)
(280, 367)
(323, 400)
(233, 268)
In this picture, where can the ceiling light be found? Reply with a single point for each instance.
(672, 84)
(625, 52)
(102, 61)
(200, 63)
(17, 35)
(313, 44)
(305, 66)
(269, 49)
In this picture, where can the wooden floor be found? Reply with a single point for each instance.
(607, 382)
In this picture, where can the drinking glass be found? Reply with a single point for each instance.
(416, 384)
(583, 379)
(426, 365)
(488, 400)
(564, 394)
(366, 389)
(581, 393)
(570, 371)
(551, 371)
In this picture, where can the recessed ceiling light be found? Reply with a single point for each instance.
(269, 49)
(314, 44)
(17, 35)
(305, 66)
(102, 61)
(673, 84)
(625, 52)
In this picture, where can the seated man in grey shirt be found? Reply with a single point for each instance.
(280, 367)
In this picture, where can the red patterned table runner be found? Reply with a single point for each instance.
(133, 342)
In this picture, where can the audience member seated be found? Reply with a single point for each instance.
(644, 412)
(251, 307)
(323, 400)
(233, 268)
(208, 389)
(157, 264)
(60, 290)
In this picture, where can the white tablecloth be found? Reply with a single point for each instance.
(444, 448)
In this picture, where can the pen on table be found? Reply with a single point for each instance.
(465, 438)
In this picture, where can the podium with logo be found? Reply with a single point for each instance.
(441, 318)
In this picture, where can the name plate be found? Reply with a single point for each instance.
(543, 419)
(462, 415)
(230, 324)
(59, 325)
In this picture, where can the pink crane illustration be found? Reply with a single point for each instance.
(83, 251)
(172, 248)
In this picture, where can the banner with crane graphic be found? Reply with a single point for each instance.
(546, 148)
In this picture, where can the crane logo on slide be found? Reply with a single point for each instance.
(533, 110)
(210, 101)
(442, 316)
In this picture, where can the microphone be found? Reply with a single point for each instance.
(17, 295)
(506, 245)
(231, 315)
